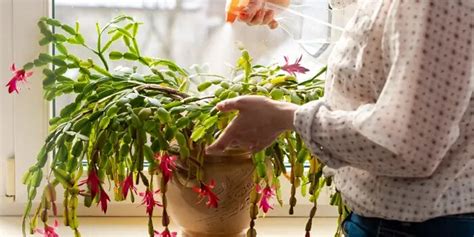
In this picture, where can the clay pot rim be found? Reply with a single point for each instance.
(228, 156)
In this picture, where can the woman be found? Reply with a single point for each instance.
(397, 122)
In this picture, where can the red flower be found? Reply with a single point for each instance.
(18, 75)
(165, 233)
(48, 231)
(295, 67)
(206, 191)
(149, 201)
(267, 194)
(103, 200)
(127, 185)
(167, 165)
(93, 182)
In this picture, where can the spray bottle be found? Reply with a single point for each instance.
(309, 25)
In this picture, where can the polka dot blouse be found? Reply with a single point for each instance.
(397, 122)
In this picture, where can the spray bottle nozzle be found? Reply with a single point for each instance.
(233, 8)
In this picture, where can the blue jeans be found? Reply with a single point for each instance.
(447, 226)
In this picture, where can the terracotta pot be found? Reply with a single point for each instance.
(234, 181)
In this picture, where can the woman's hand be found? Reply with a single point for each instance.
(259, 122)
(256, 14)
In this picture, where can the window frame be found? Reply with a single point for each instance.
(27, 116)
(6, 101)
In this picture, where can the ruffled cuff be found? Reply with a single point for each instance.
(304, 120)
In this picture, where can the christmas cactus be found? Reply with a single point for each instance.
(132, 125)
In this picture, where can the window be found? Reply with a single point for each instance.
(187, 31)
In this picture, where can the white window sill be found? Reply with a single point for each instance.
(137, 226)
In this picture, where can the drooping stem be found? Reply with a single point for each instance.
(66, 208)
(149, 188)
(165, 219)
(34, 220)
(200, 162)
(309, 224)
(292, 157)
(337, 201)
(254, 197)
(72, 218)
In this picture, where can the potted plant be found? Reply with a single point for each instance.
(149, 125)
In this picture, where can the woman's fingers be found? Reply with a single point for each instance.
(262, 17)
(258, 146)
(269, 19)
(221, 143)
(255, 14)
(273, 24)
(242, 103)
(250, 10)
(228, 139)
(258, 18)
(230, 104)
(269, 14)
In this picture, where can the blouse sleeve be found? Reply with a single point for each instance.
(415, 120)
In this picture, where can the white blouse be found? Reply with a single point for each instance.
(397, 121)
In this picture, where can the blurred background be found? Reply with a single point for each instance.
(187, 31)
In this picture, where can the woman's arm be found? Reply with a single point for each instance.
(415, 121)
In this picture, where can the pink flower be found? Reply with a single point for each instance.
(48, 231)
(206, 191)
(167, 165)
(165, 233)
(103, 200)
(18, 75)
(93, 182)
(149, 201)
(295, 67)
(127, 185)
(267, 194)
